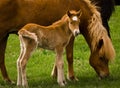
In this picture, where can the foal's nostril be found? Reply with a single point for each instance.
(76, 32)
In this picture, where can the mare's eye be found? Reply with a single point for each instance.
(101, 58)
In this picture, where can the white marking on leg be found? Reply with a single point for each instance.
(24, 81)
(19, 79)
(61, 78)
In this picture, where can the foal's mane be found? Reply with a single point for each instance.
(63, 19)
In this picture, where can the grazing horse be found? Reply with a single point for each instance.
(15, 14)
(54, 37)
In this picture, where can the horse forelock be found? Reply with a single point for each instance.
(95, 30)
(108, 49)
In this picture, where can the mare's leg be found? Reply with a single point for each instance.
(60, 66)
(3, 43)
(28, 46)
(69, 53)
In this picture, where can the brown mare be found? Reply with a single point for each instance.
(54, 37)
(15, 14)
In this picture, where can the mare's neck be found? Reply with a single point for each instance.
(90, 21)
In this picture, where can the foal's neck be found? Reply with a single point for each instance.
(64, 24)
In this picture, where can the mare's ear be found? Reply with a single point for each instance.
(79, 13)
(69, 14)
(100, 43)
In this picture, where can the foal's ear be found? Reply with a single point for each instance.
(69, 14)
(100, 43)
(79, 13)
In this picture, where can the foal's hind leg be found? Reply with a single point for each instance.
(28, 46)
(19, 76)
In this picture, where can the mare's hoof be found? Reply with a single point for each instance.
(9, 82)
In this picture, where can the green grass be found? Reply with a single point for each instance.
(40, 64)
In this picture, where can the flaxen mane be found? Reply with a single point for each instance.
(98, 32)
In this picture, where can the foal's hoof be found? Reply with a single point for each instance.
(20, 86)
(62, 84)
(72, 78)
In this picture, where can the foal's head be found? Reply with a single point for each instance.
(74, 20)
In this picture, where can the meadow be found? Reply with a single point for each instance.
(40, 64)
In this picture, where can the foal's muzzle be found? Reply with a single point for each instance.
(76, 32)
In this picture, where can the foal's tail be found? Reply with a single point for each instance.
(27, 34)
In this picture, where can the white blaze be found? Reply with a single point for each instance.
(74, 18)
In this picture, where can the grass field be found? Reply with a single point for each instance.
(40, 64)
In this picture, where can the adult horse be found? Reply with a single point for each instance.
(15, 14)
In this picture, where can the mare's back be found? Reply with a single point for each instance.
(34, 10)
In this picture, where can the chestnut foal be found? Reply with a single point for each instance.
(54, 37)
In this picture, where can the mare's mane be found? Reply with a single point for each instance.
(97, 32)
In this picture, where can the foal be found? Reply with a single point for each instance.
(54, 37)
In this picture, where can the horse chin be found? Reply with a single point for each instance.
(103, 76)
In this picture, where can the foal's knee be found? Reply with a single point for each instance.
(60, 64)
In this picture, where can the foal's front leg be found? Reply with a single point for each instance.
(60, 66)
(69, 54)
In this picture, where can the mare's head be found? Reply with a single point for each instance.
(102, 50)
(74, 21)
